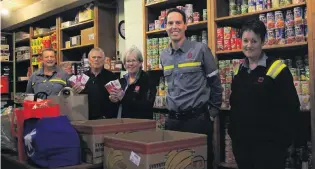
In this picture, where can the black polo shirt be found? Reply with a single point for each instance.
(99, 104)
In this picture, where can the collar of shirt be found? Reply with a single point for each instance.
(126, 76)
(90, 74)
(184, 47)
(41, 70)
(261, 62)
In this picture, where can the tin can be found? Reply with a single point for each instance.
(233, 43)
(151, 26)
(280, 36)
(227, 44)
(294, 74)
(270, 20)
(163, 13)
(289, 18)
(196, 17)
(244, 8)
(220, 33)
(275, 3)
(298, 87)
(189, 12)
(298, 12)
(299, 33)
(194, 38)
(162, 22)
(307, 72)
(268, 4)
(238, 43)
(204, 14)
(260, 5)
(305, 88)
(288, 62)
(298, 1)
(220, 44)
(290, 35)
(251, 6)
(271, 37)
(279, 19)
(263, 18)
(227, 32)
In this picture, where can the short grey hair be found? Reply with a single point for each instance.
(96, 49)
(137, 52)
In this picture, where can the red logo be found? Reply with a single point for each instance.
(137, 88)
(189, 55)
(260, 79)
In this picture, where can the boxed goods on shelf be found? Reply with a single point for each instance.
(92, 133)
(22, 53)
(86, 15)
(155, 149)
(191, 17)
(155, 46)
(40, 31)
(75, 40)
(5, 53)
(21, 35)
(87, 36)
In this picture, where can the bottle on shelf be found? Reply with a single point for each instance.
(119, 64)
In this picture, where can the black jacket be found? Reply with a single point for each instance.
(139, 97)
(99, 104)
(263, 108)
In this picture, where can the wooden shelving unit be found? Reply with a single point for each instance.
(76, 47)
(44, 34)
(79, 26)
(220, 13)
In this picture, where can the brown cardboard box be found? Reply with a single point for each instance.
(75, 40)
(155, 150)
(87, 36)
(92, 134)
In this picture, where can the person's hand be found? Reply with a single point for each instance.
(113, 99)
(117, 93)
(77, 88)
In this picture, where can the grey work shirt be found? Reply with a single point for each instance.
(186, 71)
(51, 85)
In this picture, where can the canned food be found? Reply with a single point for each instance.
(280, 36)
(268, 4)
(220, 44)
(298, 87)
(298, 12)
(290, 35)
(270, 20)
(227, 44)
(289, 18)
(196, 17)
(233, 43)
(260, 5)
(251, 6)
(288, 62)
(305, 88)
(271, 37)
(220, 33)
(189, 12)
(227, 32)
(279, 19)
(194, 38)
(204, 14)
(263, 18)
(244, 8)
(299, 33)
(157, 24)
(298, 1)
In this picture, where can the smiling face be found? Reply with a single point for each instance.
(49, 58)
(252, 44)
(132, 64)
(176, 26)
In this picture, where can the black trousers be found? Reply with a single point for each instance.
(259, 154)
(200, 125)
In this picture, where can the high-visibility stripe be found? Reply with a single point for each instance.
(58, 80)
(168, 67)
(189, 64)
(273, 67)
(276, 73)
(213, 73)
(33, 84)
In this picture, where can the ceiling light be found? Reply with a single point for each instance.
(4, 11)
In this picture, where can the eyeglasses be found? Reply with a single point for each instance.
(132, 61)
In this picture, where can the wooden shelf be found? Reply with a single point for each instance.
(226, 165)
(243, 17)
(77, 47)
(278, 47)
(42, 35)
(79, 26)
(22, 40)
(192, 26)
(156, 3)
(6, 61)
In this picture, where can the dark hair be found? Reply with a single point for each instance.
(178, 11)
(257, 26)
(48, 49)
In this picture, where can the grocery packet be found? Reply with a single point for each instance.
(81, 79)
(115, 84)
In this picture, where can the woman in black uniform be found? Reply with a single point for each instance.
(264, 105)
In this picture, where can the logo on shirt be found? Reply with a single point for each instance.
(189, 55)
(137, 88)
(260, 79)
(58, 75)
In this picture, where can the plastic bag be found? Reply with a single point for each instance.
(8, 141)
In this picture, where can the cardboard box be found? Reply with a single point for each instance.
(92, 134)
(155, 150)
(67, 44)
(86, 15)
(75, 40)
(87, 36)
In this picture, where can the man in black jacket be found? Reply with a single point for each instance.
(99, 105)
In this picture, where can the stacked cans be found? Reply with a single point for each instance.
(189, 13)
(228, 38)
(160, 119)
(229, 156)
(199, 38)
(226, 71)
(155, 46)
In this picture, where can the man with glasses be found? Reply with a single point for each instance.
(99, 104)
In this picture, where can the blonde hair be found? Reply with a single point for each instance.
(136, 50)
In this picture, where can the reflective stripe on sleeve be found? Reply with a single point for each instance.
(275, 69)
(213, 73)
(168, 67)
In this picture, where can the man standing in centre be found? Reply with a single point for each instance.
(194, 93)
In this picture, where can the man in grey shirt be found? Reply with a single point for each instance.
(194, 93)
